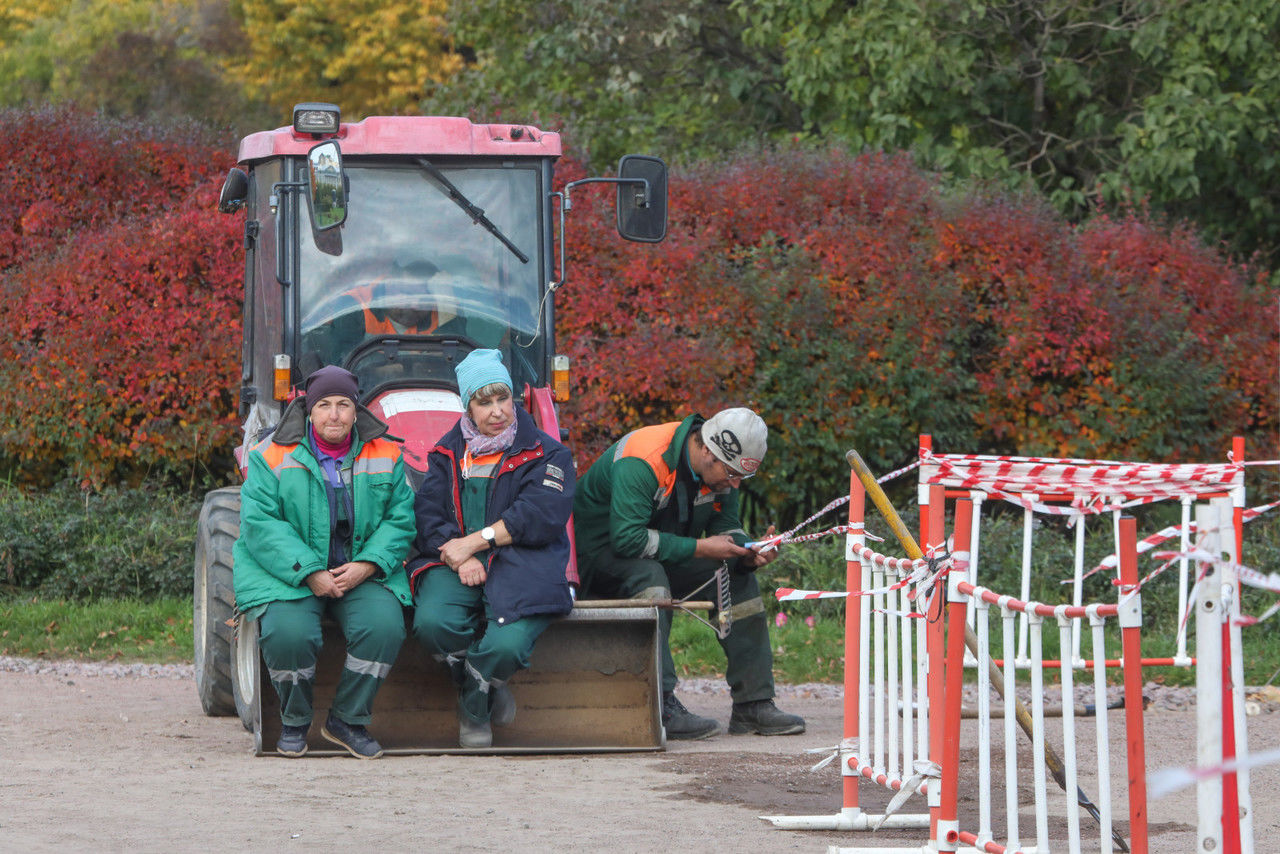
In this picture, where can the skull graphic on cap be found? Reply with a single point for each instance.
(727, 442)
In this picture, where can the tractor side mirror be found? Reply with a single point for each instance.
(326, 184)
(642, 198)
(235, 190)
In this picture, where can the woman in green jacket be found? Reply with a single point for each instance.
(326, 518)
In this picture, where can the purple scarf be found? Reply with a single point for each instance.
(478, 443)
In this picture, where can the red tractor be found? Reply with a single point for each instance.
(394, 246)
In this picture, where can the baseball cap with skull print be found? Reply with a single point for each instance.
(738, 438)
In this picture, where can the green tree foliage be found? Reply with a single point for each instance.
(371, 57)
(124, 58)
(1204, 146)
(1138, 100)
(617, 75)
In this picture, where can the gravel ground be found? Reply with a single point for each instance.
(1167, 697)
(113, 756)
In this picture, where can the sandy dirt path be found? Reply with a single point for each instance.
(131, 764)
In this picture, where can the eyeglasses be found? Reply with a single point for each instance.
(732, 473)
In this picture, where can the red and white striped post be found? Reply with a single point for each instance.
(932, 535)
(1130, 619)
(1230, 784)
(853, 638)
(947, 837)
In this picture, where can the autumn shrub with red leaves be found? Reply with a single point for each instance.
(119, 300)
(855, 303)
(852, 300)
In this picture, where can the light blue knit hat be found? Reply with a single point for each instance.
(479, 369)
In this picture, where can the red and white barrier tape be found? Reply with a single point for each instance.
(917, 573)
(1146, 544)
(1097, 486)
(1048, 475)
(789, 536)
(1166, 781)
(1245, 574)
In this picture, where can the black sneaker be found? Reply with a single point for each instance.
(293, 740)
(682, 724)
(354, 737)
(764, 718)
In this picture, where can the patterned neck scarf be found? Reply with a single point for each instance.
(478, 443)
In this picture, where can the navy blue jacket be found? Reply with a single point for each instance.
(532, 493)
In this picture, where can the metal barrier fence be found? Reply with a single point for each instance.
(912, 625)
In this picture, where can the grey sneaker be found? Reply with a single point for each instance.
(292, 741)
(354, 737)
(502, 706)
(682, 724)
(764, 718)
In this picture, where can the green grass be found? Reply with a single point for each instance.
(805, 654)
(160, 632)
(127, 629)
(800, 653)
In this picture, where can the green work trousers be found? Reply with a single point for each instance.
(747, 648)
(454, 623)
(372, 621)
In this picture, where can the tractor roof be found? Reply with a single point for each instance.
(421, 135)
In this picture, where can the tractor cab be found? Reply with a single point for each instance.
(396, 245)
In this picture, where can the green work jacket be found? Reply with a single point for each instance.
(640, 499)
(284, 512)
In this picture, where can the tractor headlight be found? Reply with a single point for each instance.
(316, 118)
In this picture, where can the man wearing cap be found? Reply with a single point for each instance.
(326, 519)
(655, 517)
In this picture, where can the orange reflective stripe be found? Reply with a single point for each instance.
(275, 454)
(649, 444)
(381, 448)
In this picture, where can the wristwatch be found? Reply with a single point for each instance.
(490, 536)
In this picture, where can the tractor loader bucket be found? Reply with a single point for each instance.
(593, 686)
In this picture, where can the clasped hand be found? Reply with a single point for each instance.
(457, 551)
(336, 582)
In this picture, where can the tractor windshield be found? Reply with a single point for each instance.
(411, 283)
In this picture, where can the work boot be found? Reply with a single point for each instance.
(682, 724)
(292, 741)
(473, 735)
(354, 737)
(764, 718)
(502, 706)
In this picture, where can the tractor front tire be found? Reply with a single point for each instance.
(214, 602)
(247, 663)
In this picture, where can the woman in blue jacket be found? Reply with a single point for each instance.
(492, 548)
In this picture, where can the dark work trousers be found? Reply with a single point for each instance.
(372, 621)
(747, 648)
(453, 622)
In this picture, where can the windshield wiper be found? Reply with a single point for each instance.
(476, 214)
